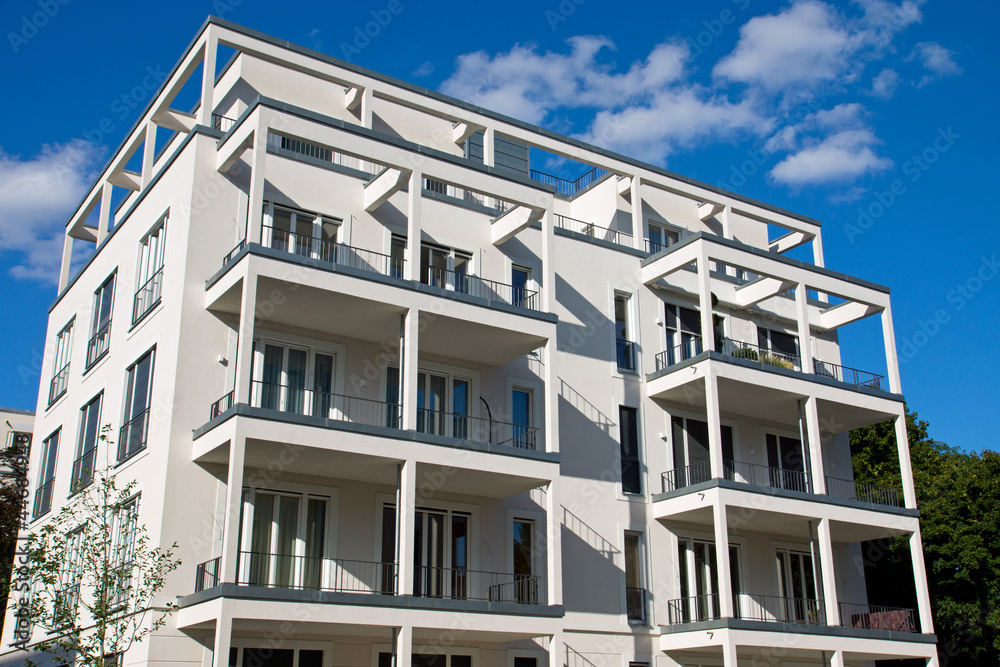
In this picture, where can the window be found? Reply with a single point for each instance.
(699, 582)
(297, 380)
(683, 326)
(635, 590)
(522, 295)
(625, 348)
(661, 237)
(628, 425)
(525, 585)
(149, 272)
(60, 362)
(796, 587)
(397, 255)
(135, 429)
(443, 405)
(427, 660)
(100, 330)
(300, 232)
(86, 452)
(448, 269)
(786, 463)
(442, 554)
(522, 418)
(47, 475)
(68, 595)
(692, 457)
(123, 557)
(783, 348)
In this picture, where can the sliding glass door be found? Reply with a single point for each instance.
(283, 539)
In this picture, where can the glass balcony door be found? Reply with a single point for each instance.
(283, 540)
(699, 578)
(293, 379)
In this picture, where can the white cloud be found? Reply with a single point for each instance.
(37, 196)
(425, 69)
(884, 84)
(937, 60)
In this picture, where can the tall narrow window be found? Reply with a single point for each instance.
(778, 348)
(100, 330)
(524, 432)
(628, 421)
(46, 475)
(60, 362)
(397, 255)
(683, 326)
(635, 590)
(149, 272)
(135, 420)
(123, 556)
(86, 453)
(797, 587)
(786, 464)
(525, 584)
(68, 595)
(699, 583)
(691, 450)
(624, 346)
(521, 294)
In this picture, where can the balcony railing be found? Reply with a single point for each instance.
(208, 575)
(635, 604)
(775, 478)
(310, 573)
(674, 355)
(57, 387)
(594, 231)
(625, 351)
(132, 437)
(458, 583)
(232, 253)
(870, 617)
(99, 343)
(773, 608)
(490, 290)
(865, 492)
(43, 498)
(691, 609)
(223, 404)
(680, 478)
(83, 470)
(457, 192)
(147, 296)
(566, 187)
(315, 403)
(330, 252)
(476, 429)
(863, 379)
(222, 123)
(751, 352)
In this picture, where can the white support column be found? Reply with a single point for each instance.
(255, 211)
(553, 544)
(67, 261)
(705, 302)
(829, 573)
(729, 653)
(208, 79)
(891, 359)
(920, 582)
(104, 215)
(148, 153)
(815, 438)
(405, 517)
(244, 344)
(905, 466)
(837, 659)
(234, 496)
(714, 416)
(550, 378)
(223, 640)
(637, 226)
(414, 204)
(404, 646)
(408, 368)
(802, 312)
(556, 650)
(722, 558)
(489, 147)
(548, 260)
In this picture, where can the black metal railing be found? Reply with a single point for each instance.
(483, 288)
(865, 492)
(222, 123)
(680, 478)
(871, 617)
(132, 437)
(762, 475)
(43, 498)
(313, 573)
(774, 608)
(463, 194)
(316, 403)
(594, 231)
(859, 378)
(83, 470)
(223, 404)
(57, 387)
(635, 604)
(653, 247)
(476, 429)
(625, 351)
(751, 352)
(692, 609)
(567, 187)
(331, 252)
(208, 575)
(147, 296)
(235, 251)
(678, 353)
(459, 583)
(99, 344)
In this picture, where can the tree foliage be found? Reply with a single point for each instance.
(94, 574)
(958, 494)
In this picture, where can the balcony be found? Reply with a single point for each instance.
(490, 290)
(568, 188)
(593, 231)
(328, 252)
(748, 607)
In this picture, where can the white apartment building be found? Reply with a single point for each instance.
(401, 399)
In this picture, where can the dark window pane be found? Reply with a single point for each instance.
(268, 657)
(310, 658)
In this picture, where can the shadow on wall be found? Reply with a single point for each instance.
(591, 573)
(590, 338)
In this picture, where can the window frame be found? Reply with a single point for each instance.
(149, 280)
(128, 409)
(665, 228)
(48, 459)
(641, 493)
(60, 371)
(81, 452)
(101, 333)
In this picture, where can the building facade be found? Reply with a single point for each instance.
(402, 399)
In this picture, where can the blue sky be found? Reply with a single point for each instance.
(875, 117)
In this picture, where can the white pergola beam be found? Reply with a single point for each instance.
(126, 179)
(709, 210)
(353, 97)
(759, 290)
(463, 131)
(384, 186)
(790, 240)
(178, 121)
(845, 313)
(508, 225)
(625, 186)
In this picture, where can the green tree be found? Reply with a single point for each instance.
(94, 574)
(958, 495)
(13, 468)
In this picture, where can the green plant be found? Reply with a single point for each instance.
(746, 353)
(779, 362)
